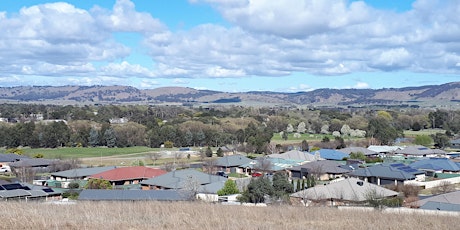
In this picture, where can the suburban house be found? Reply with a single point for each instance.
(443, 202)
(304, 157)
(180, 179)
(322, 170)
(230, 163)
(384, 150)
(436, 165)
(7, 158)
(208, 192)
(365, 151)
(268, 165)
(128, 175)
(455, 144)
(388, 173)
(133, 195)
(420, 151)
(331, 154)
(79, 173)
(22, 191)
(344, 192)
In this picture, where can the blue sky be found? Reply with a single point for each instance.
(230, 45)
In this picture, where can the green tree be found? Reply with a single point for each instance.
(441, 140)
(424, 140)
(110, 138)
(304, 145)
(209, 152)
(381, 129)
(357, 155)
(228, 189)
(93, 139)
(257, 190)
(97, 183)
(281, 186)
(220, 152)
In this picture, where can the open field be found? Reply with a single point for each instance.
(78, 152)
(194, 215)
(410, 133)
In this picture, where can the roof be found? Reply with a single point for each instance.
(326, 166)
(11, 157)
(419, 150)
(366, 152)
(383, 148)
(350, 189)
(296, 155)
(232, 161)
(32, 162)
(179, 178)
(330, 154)
(449, 198)
(398, 171)
(129, 173)
(276, 164)
(133, 195)
(456, 141)
(431, 205)
(211, 188)
(81, 172)
(444, 164)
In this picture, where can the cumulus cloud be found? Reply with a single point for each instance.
(264, 38)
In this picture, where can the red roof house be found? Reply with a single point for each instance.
(128, 175)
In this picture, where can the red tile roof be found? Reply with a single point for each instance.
(129, 173)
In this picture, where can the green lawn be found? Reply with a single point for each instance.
(410, 133)
(86, 152)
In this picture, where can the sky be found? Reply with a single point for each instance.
(230, 45)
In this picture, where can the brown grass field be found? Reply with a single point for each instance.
(195, 215)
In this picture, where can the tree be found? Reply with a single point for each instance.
(257, 190)
(304, 145)
(228, 189)
(220, 152)
(424, 140)
(110, 138)
(301, 127)
(289, 128)
(441, 140)
(208, 152)
(154, 156)
(97, 183)
(281, 186)
(381, 129)
(357, 155)
(93, 139)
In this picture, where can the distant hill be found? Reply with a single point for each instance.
(425, 96)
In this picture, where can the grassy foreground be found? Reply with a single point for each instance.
(184, 215)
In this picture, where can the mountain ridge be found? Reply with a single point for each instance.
(427, 95)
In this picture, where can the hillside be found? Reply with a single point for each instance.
(425, 96)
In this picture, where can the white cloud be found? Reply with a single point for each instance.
(180, 81)
(125, 69)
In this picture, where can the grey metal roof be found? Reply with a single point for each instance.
(32, 162)
(81, 172)
(11, 157)
(419, 150)
(325, 166)
(211, 188)
(179, 178)
(390, 171)
(431, 205)
(451, 198)
(296, 155)
(14, 193)
(133, 195)
(350, 189)
(366, 152)
(436, 164)
(232, 161)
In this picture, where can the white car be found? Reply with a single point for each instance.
(5, 168)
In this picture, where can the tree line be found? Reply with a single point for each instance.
(250, 128)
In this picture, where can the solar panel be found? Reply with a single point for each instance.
(397, 165)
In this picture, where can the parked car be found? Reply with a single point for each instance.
(222, 173)
(257, 174)
(5, 168)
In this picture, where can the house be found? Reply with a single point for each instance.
(180, 179)
(343, 192)
(32, 163)
(79, 173)
(436, 165)
(322, 170)
(268, 165)
(128, 175)
(133, 195)
(7, 158)
(22, 191)
(304, 157)
(230, 163)
(208, 192)
(331, 154)
(443, 202)
(420, 151)
(388, 173)
(365, 151)
(384, 150)
(455, 144)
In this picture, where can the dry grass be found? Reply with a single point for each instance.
(184, 215)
